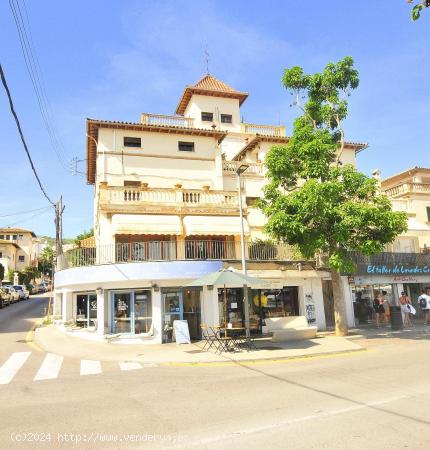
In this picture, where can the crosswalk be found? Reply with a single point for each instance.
(51, 365)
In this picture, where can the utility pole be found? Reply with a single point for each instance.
(60, 262)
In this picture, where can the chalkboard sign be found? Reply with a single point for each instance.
(182, 333)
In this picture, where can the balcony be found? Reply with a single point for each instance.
(167, 121)
(180, 250)
(408, 188)
(143, 199)
(266, 130)
(230, 168)
(403, 206)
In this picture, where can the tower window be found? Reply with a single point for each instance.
(207, 117)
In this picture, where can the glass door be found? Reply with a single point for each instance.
(192, 312)
(121, 322)
(172, 302)
(86, 309)
(142, 312)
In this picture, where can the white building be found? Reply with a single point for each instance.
(166, 211)
(18, 248)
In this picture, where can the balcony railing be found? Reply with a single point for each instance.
(402, 205)
(408, 188)
(180, 250)
(161, 119)
(230, 167)
(167, 197)
(267, 130)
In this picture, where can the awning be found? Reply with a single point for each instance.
(146, 224)
(214, 225)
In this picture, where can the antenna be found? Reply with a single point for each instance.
(207, 61)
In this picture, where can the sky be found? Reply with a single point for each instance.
(110, 59)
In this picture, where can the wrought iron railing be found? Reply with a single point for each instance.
(180, 250)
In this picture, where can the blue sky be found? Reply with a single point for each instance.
(114, 60)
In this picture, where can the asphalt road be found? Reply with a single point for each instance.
(379, 399)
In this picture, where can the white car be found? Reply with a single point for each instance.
(14, 295)
(23, 292)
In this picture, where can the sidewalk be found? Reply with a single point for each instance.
(53, 340)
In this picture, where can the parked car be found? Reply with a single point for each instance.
(14, 296)
(33, 288)
(44, 286)
(4, 297)
(23, 292)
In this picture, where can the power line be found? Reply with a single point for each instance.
(28, 211)
(12, 109)
(35, 73)
(46, 209)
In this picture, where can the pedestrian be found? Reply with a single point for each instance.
(379, 309)
(405, 303)
(386, 305)
(424, 302)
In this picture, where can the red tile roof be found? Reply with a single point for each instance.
(210, 86)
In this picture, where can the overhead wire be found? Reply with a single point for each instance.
(12, 109)
(47, 209)
(20, 213)
(35, 73)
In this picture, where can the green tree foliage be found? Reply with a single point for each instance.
(417, 8)
(84, 235)
(311, 199)
(46, 260)
(1, 272)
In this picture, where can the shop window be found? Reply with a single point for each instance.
(207, 117)
(185, 146)
(86, 309)
(226, 118)
(132, 142)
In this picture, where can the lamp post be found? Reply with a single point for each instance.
(239, 171)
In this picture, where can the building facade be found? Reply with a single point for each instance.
(167, 211)
(405, 266)
(18, 248)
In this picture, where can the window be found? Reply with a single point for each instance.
(226, 118)
(428, 213)
(207, 117)
(132, 142)
(2, 236)
(131, 183)
(186, 146)
(14, 237)
(1, 255)
(21, 258)
(250, 201)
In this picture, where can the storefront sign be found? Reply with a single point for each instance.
(397, 269)
(182, 332)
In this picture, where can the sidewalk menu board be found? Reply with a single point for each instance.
(182, 333)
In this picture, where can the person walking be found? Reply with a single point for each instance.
(405, 302)
(424, 302)
(380, 309)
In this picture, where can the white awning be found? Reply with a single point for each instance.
(146, 224)
(214, 225)
(415, 225)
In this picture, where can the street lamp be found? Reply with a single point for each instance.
(239, 171)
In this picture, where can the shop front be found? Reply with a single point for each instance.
(181, 304)
(388, 275)
(131, 312)
(263, 303)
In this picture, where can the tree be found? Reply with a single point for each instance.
(417, 8)
(84, 235)
(311, 199)
(1, 273)
(46, 260)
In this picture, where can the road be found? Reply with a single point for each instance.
(378, 399)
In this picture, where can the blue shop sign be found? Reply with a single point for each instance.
(397, 269)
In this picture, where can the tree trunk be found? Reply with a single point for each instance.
(339, 305)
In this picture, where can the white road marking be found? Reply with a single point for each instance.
(10, 368)
(129, 365)
(50, 367)
(90, 367)
(227, 436)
